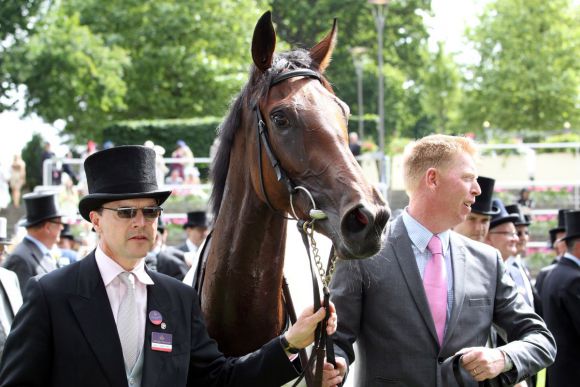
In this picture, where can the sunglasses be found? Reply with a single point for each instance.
(131, 212)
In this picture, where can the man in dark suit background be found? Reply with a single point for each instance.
(405, 335)
(108, 321)
(10, 296)
(43, 226)
(476, 225)
(561, 305)
(557, 244)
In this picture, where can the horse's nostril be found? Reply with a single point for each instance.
(356, 221)
(361, 217)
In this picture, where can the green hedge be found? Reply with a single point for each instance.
(198, 133)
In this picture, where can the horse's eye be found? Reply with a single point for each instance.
(280, 120)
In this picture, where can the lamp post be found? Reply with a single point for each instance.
(357, 60)
(379, 16)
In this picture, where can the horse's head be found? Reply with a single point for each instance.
(305, 126)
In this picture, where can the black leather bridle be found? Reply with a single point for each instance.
(263, 140)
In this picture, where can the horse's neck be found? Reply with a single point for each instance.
(242, 289)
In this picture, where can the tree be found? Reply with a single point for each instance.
(32, 155)
(528, 75)
(405, 38)
(441, 93)
(15, 24)
(69, 74)
(91, 62)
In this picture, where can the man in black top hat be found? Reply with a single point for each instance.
(561, 303)
(557, 243)
(43, 225)
(166, 259)
(196, 229)
(516, 265)
(502, 232)
(66, 246)
(476, 225)
(108, 321)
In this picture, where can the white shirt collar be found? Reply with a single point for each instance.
(110, 269)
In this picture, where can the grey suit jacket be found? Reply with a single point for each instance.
(27, 261)
(382, 306)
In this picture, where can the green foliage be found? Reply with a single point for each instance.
(528, 76)
(92, 62)
(198, 133)
(16, 15)
(304, 23)
(32, 155)
(70, 74)
(441, 99)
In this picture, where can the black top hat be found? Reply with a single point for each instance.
(561, 222)
(560, 228)
(502, 216)
(123, 172)
(40, 207)
(66, 232)
(483, 203)
(196, 219)
(572, 225)
(515, 209)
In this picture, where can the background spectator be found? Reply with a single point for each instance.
(17, 178)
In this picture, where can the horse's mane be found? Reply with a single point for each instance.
(257, 85)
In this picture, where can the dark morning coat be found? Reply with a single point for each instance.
(561, 303)
(382, 306)
(65, 336)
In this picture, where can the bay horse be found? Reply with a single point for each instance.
(304, 133)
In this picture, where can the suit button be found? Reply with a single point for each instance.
(131, 381)
(440, 360)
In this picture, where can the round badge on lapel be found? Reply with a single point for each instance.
(155, 317)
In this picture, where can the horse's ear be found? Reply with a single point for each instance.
(264, 42)
(322, 52)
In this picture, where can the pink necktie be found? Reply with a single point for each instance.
(435, 284)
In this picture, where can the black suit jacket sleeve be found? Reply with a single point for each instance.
(268, 366)
(29, 344)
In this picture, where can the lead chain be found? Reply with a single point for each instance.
(324, 276)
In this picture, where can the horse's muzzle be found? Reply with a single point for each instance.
(361, 230)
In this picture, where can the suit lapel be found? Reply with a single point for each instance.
(12, 292)
(458, 261)
(37, 255)
(154, 362)
(92, 309)
(401, 245)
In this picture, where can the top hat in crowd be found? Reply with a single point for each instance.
(122, 172)
(3, 236)
(523, 219)
(502, 216)
(196, 219)
(40, 207)
(561, 227)
(66, 232)
(483, 204)
(572, 225)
